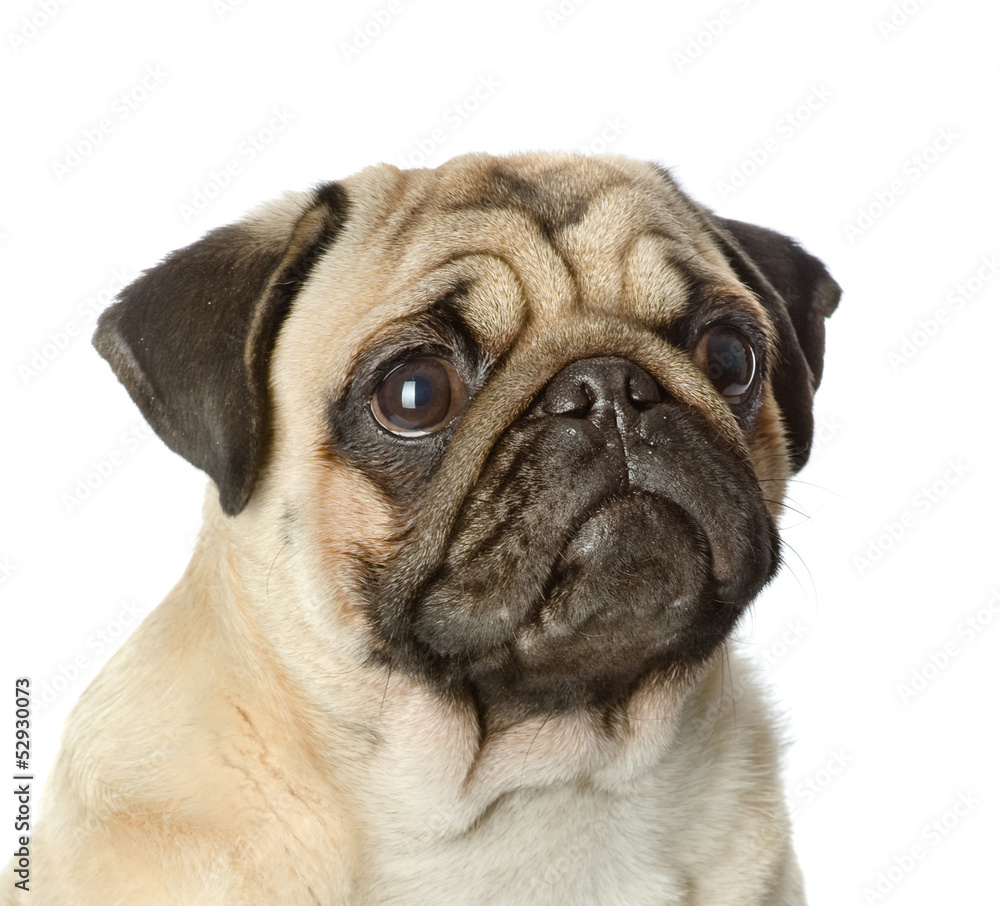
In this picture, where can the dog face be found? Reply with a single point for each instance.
(517, 428)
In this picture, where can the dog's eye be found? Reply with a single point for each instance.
(419, 397)
(727, 357)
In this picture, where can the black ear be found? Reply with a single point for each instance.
(799, 295)
(191, 338)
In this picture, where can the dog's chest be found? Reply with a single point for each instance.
(559, 847)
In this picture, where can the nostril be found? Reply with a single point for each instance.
(568, 398)
(642, 389)
(600, 383)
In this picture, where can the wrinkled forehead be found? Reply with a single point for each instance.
(576, 230)
(522, 240)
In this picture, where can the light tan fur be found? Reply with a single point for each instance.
(241, 748)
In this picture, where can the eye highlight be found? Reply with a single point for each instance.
(419, 397)
(727, 357)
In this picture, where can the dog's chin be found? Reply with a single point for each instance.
(630, 593)
(628, 584)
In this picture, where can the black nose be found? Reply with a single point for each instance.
(588, 385)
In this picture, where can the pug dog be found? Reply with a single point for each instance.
(497, 455)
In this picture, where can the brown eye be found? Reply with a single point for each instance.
(727, 357)
(419, 397)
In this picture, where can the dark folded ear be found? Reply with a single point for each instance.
(799, 295)
(192, 337)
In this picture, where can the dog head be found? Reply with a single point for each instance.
(520, 424)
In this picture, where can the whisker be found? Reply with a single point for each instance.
(788, 506)
(812, 580)
(524, 764)
(385, 692)
(267, 581)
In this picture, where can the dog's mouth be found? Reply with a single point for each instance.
(637, 551)
(627, 582)
(599, 544)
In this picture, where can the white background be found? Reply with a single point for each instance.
(902, 131)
